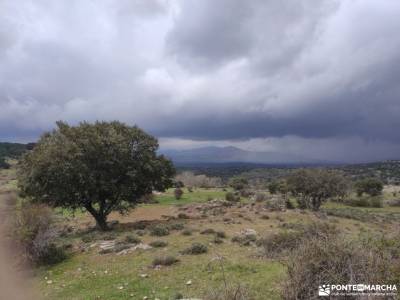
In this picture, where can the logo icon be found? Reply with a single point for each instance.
(324, 290)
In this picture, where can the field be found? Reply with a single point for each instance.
(90, 272)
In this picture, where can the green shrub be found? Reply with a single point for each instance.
(220, 234)
(195, 248)
(176, 226)
(132, 239)
(231, 197)
(88, 238)
(140, 225)
(158, 244)
(165, 261)
(244, 240)
(159, 230)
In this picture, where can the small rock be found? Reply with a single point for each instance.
(189, 282)
(121, 287)
(49, 281)
(248, 231)
(144, 275)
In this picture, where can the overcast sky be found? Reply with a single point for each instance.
(319, 78)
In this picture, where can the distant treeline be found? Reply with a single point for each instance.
(387, 171)
(12, 150)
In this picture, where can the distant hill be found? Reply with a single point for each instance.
(11, 150)
(233, 155)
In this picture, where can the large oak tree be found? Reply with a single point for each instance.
(102, 167)
(312, 187)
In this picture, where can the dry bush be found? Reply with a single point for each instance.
(229, 292)
(276, 203)
(176, 226)
(165, 261)
(335, 260)
(244, 240)
(35, 233)
(159, 230)
(229, 289)
(158, 244)
(260, 197)
(281, 243)
(195, 248)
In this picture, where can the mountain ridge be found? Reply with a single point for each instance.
(231, 154)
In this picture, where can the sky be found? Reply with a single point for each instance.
(314, 78)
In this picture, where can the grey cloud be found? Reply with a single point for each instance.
(208, 33)
(271, 34)
(209, 71)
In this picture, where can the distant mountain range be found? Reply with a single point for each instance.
(233, 155)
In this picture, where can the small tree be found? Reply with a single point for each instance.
(102, 167)
(370, 186)
(178, 192)
(312, 187)
(238, 183)
(273, 187)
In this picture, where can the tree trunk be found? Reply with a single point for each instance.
(101, 219)
(101, 223)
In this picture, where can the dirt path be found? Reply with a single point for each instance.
(13, 282)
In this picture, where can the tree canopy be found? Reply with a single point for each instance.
(370, 186)
(312, 187)
(102, 167)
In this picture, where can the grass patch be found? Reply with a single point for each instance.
(198, 195)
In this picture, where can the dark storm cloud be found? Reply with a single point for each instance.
(211, 71)
(208, 33)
